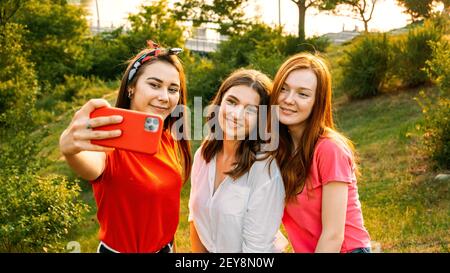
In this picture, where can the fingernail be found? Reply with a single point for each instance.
(119, 118)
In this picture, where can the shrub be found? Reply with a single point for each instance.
(436, 107)
(18, 85)
(364, 66)
(411, 53)
(314, 44)
(36, 211)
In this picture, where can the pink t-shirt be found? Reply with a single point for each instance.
(331, 162)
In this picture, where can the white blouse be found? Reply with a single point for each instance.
(243, 215)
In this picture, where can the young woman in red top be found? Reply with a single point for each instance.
(137, 195)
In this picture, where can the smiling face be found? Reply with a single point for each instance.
(297, 97)
(157, 90)
(238, 112)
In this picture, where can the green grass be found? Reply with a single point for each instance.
(404, 209)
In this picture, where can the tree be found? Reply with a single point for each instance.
(419, 9)
(8, 8)
(111, 50)
(364, 9)
(56, 35)
(303, 5)
(228, 14)
(155, 22)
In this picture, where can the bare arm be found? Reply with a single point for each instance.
(196, 244)
(334, 208)
(86, 159)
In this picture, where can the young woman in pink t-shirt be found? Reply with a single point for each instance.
(323, 212)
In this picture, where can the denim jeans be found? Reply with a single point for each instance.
(361, 250)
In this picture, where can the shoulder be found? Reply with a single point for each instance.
(332, 146)
(198, 155)
(264, 167)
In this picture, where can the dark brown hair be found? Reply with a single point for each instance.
(247, 149)
(123, 101)
(295, 164)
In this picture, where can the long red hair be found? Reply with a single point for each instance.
(295, 163)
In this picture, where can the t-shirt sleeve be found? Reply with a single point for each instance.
(334, 162)
(197, 158)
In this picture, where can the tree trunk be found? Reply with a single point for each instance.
(301, 20)
(366, 26)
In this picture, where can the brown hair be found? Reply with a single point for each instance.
(247, 149)
(295, 166)
(123, 101)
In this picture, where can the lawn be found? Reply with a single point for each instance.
(404, 208)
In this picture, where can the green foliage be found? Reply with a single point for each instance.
(411, 53)
(364, 66)
(36, 212)
(419, 9)
(314, 44)
(436, 107)
(225, 13)
(110, 51)
(109, 54)
(56, 35)
(259, 47)
(155, 22)
(201, 80)
(18, 85)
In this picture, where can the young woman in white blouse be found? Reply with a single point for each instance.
(237, 194)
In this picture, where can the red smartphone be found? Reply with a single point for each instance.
(141, 132)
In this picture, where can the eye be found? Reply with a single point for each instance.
(251, 110)
(173, 90)
(230, 102)
(304, 95)
(284, 89)
(154, 85)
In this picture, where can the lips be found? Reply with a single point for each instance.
(287, 110)
(233, 122)
(160, 108)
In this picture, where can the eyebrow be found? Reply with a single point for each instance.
(236, 99)
(300, 88)
(161, 81)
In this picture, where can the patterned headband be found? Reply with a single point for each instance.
(154, 53)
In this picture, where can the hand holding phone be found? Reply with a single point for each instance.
(141, 132)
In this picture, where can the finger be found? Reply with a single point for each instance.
(93, 104)
(96, 148)
(102, 121)
(97, 134)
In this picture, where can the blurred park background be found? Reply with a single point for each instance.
(390, 62)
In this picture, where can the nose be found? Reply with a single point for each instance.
(164, 95)
(235, 112)
(289, 99)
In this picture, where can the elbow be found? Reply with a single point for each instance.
(335, 236)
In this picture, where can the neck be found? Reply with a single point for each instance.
(296, 132)
(229, 148)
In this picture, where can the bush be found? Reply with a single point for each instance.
(18, 85)
(365, 65)
(436, 107)
(411, 53)
(36, 212)
(314, 44)
(56, 35)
